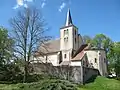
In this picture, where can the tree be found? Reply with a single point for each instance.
(6, 47)
(29, 32)
(7, 69)
(102, 41)
(87, 39)
(114, 56)
(99, 41)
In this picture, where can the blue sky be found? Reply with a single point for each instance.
(90, 16)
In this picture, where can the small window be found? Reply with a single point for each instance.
(91, 64)
(60, 60)
(75, 32)
(75, 40)
(66, 32)
(66, 39)
(104, 60)
(65, 56)
(95, 60)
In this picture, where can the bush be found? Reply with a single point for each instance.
(10, 73)
(56, 85)
(35, 77)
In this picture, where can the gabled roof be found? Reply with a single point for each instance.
(50, 47)
(80, 49)
(79, 56)
(80, 53)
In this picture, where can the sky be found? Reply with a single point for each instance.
(90, 16)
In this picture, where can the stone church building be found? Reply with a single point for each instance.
(70, 50)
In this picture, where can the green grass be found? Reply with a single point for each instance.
(102, 83)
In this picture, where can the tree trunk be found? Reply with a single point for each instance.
(25, 72)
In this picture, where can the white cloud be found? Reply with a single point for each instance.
(21, 3)
(25, 5)
(62, 6)
(15, 7)
(43, 4)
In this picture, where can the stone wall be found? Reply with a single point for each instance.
(75, 74)
(88, 73)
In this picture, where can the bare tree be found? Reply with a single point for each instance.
(29, 32)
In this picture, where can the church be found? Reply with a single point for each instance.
(70, 50)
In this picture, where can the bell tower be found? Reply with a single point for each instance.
(69, 40)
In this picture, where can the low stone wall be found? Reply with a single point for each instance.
(75, 74)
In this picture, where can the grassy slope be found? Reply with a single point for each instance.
(102, 83)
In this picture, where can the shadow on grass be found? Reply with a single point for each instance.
(92, 79)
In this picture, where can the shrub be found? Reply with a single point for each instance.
(10, 73)
(35, 77)
(56, 85)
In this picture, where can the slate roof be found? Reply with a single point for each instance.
(69, 18)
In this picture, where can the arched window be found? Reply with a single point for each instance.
(66, 32)
(65, 55)
(75, 32)
(95, 60)
(75, 39)
(66, 39)
(104, 60)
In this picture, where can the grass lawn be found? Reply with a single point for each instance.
(102, 83)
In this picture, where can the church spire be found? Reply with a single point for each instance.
(69, 18)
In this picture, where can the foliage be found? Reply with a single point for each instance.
(6, 47)
(41, 85)
(87, 39)
(37, 77)
(114, 58)
(102, 83)
(57, 85)
(8, 70)
(10, 73)
(99, 41)
(102, 41)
